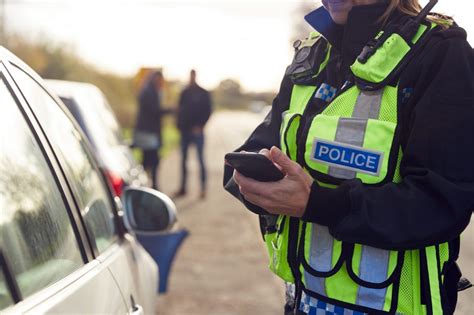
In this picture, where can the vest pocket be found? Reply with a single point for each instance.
(377, 273)
(277, 247)
(356, 276)
(321, 255)
(337, 149)
(373, 267)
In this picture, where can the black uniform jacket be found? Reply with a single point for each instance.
(434, 202)
(194, 108)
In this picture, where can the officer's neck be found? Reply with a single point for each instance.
(363, 23)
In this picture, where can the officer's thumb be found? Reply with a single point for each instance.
(288, 166)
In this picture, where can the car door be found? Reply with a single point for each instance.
(111, 247)
(44, 265)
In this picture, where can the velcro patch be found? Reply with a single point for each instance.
(347, 156)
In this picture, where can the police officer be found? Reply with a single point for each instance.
(373, 128)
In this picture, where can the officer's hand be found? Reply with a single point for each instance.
(288, 196)
(265, 152)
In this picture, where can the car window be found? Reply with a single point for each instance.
(98, 117)
(36, 235)
(74, 110)
(87, 183)
(5, 295)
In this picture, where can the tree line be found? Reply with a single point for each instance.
(60, 62)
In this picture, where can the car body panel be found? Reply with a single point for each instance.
(103, 285)
(90, 287)
(135, 273)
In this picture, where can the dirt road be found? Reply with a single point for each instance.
(221, 268)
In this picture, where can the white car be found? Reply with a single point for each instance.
(89, 106)
(66, 245)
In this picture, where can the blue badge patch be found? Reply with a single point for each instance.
(347, 156)
(326, 93)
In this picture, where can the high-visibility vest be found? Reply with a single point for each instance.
(355, 136)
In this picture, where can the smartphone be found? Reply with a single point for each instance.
(256, 166)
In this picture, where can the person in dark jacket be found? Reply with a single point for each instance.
(432, 200)
(193, 113)
(147, 133)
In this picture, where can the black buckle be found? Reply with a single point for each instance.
(464, 284)
(369, 50)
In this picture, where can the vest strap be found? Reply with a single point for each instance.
(300, 96)
(432, 258)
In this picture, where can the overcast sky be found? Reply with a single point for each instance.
(247, 40)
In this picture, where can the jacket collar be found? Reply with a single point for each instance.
(362, 25)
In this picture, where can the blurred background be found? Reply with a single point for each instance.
(240, 50)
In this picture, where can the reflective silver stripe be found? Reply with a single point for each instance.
(374, 262)
(373, 269)
(320, 259)
(349, 131)
(368, 104)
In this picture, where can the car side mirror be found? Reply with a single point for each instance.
(148, 210)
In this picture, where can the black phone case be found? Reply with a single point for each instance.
(255, 166)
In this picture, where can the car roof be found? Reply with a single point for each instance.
(69, 89)
(8, 56)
